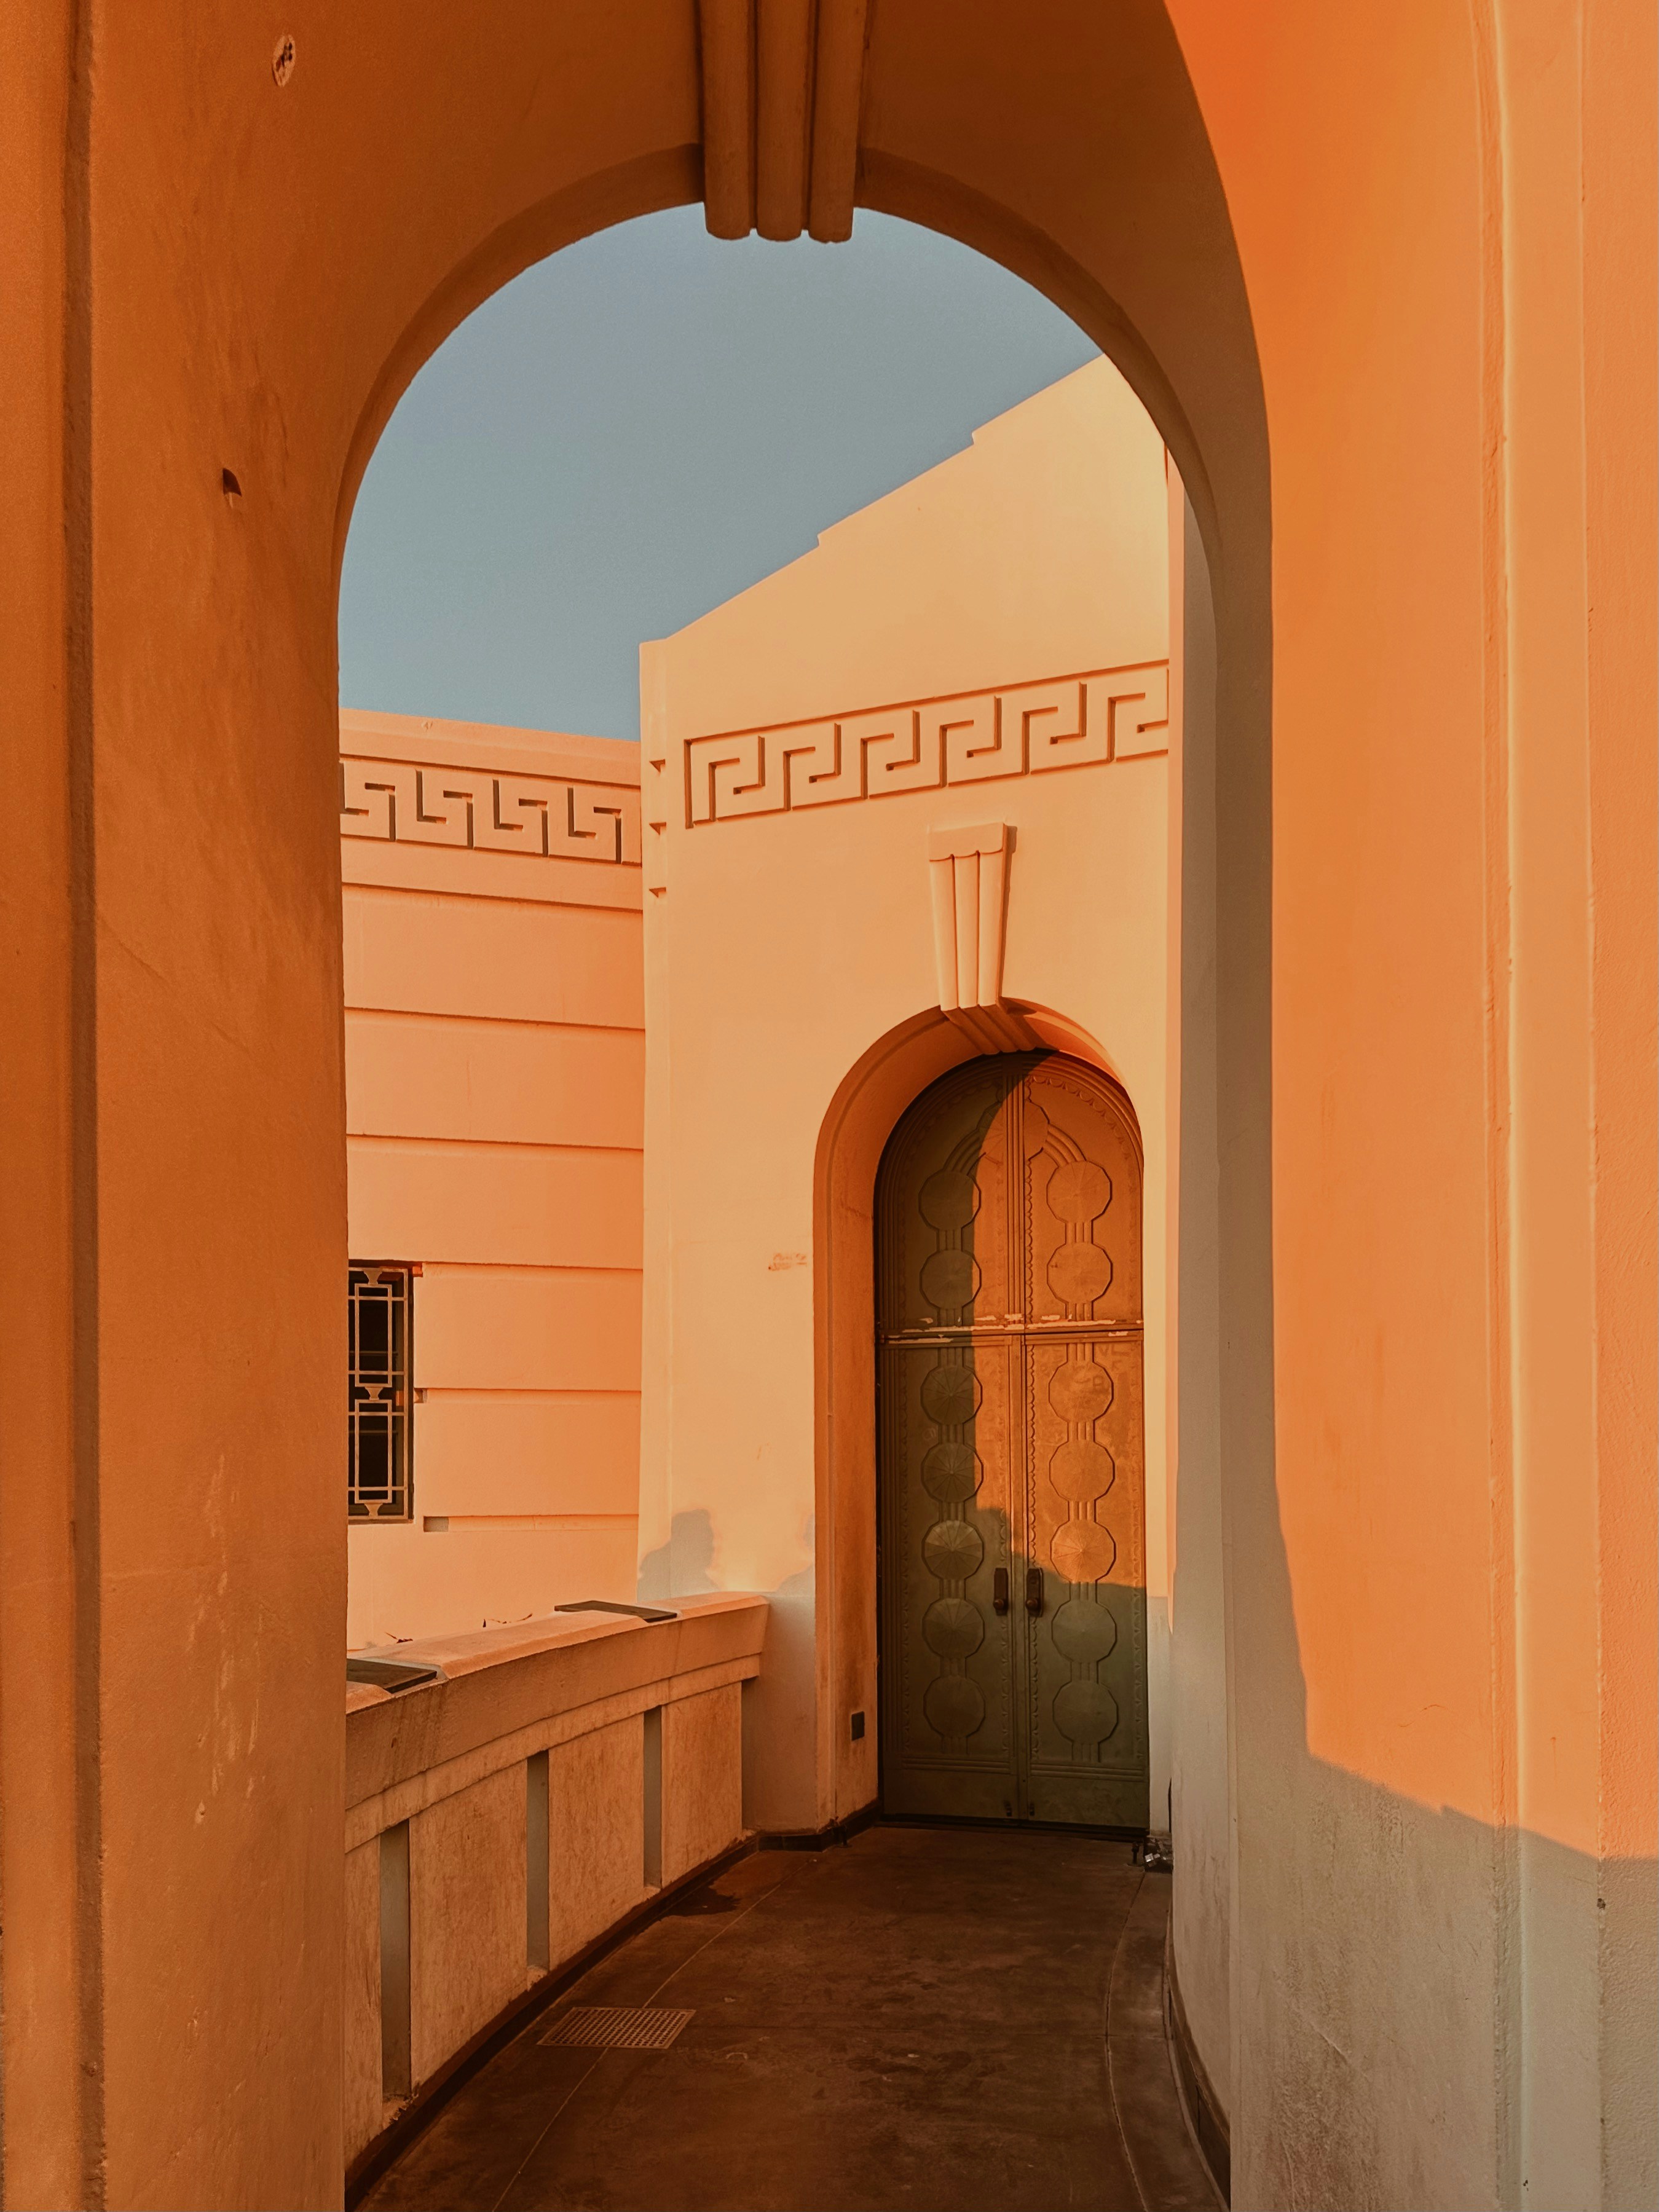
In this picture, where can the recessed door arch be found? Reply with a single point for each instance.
(1011, 1451)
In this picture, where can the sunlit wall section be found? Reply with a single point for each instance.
(495, 1055)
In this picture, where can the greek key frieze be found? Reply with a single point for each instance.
(470, 808)
(1071, 721)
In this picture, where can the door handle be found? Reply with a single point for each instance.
(999, 1590)
(1033, 1590)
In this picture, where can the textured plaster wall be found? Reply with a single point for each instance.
(495, 1073)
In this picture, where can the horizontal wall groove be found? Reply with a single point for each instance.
(625, 911)
(494, 1143)
(574, 1520)
(523, 1390)
(500, 1021)
(526, 1268)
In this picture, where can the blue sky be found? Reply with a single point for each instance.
(645, 424)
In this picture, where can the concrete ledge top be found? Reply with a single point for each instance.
(501, 1680)
(366, 733)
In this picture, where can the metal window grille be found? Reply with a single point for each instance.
(378, 1484)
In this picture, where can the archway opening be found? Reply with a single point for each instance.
(999, 706)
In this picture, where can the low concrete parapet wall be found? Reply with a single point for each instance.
(502, 1820)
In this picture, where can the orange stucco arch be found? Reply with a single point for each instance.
(1408, 251)
(335, 227)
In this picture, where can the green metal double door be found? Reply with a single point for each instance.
(1010, 1449)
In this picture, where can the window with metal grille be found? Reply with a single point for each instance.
(378, 1479)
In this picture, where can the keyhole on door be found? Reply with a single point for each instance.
(1033, 1590)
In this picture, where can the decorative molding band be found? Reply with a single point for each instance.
(396, 801)
(968, 870)
(1071, 721)
(782, 83)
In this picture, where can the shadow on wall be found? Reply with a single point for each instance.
(1528, 1964)
(779, 1719)
(1390, 1893)
(684, 1566)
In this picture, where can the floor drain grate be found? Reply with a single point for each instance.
(617, 2028)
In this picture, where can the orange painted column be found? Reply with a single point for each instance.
(1455, 344)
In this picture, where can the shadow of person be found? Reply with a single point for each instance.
(684, 1566)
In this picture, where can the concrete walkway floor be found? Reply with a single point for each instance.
(917, 2020)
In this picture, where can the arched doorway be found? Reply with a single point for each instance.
(1011, 1457)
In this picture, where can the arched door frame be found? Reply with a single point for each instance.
(868, 1105)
